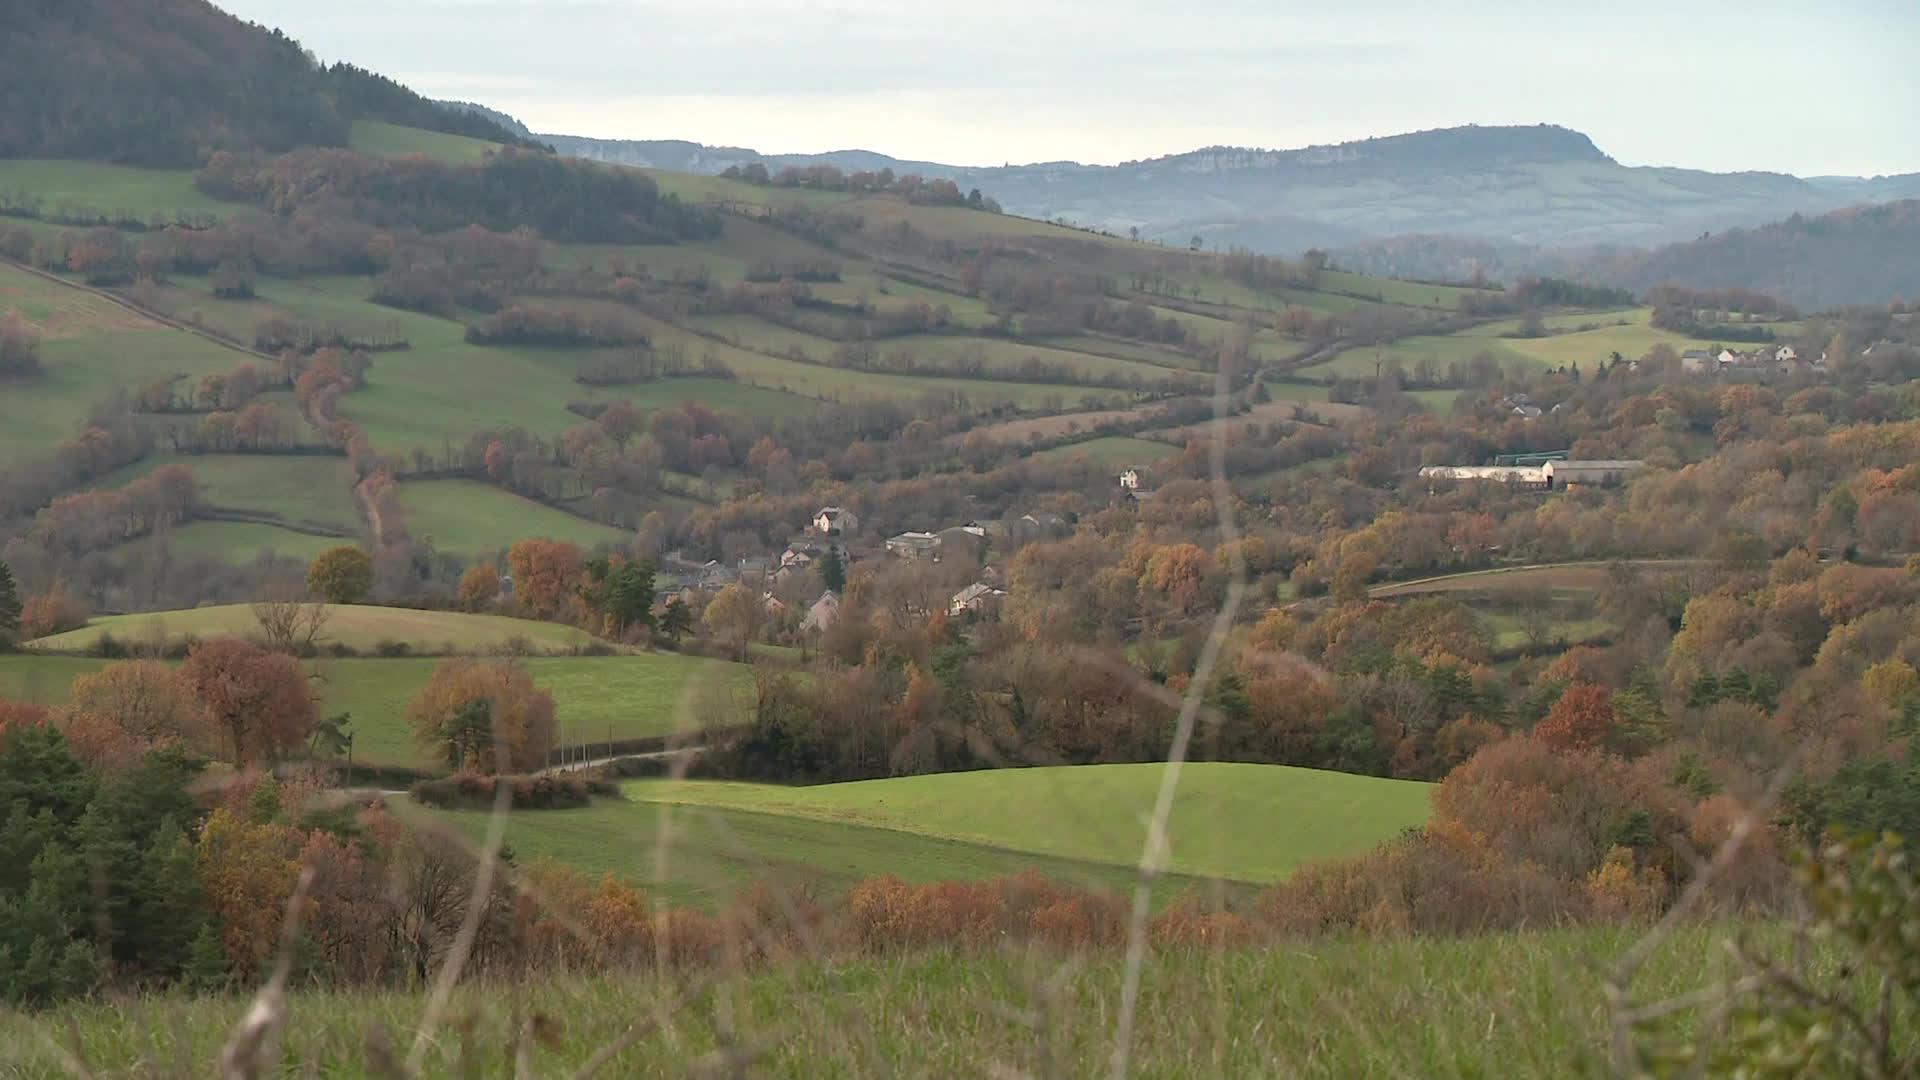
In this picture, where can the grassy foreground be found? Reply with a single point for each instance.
(1527, 1004)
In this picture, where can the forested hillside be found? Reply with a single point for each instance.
(157, 82)
(1862, 255)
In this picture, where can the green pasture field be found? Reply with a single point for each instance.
(1112, 451)
(466, 517)
(1004, 355)
(356, 626)
(308, 490)
(847, 385)
(327, 302)
(1124, 348)
(42, 680)
(1581, 577)
(1392, 291)
(392, 140)
(93, 187)
(238, 542)
(1526, 1004)
(89, 348)
(702, 855)
(595, 697)
(1439, 401)
(1588, 348)
(1253, 823)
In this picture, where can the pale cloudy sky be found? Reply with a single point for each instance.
(1803, 86)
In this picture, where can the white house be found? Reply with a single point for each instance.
(1130, 479)
(835, 519)
(823, 613)
(979, 598)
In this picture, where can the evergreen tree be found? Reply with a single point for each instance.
(207, 969)
(676, 621)
(9, 603)
(622, 593)
(833, 572)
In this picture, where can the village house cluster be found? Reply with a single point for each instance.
(834, 532)
(1544, 472)
(1767, 360)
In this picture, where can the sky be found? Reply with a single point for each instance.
(1781, 85)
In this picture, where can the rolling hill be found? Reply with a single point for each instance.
(154, 82)
(1501, 185)
(700, 841)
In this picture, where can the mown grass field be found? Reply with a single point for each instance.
(465, 517)
(1250, 823)
(357, 627)
(1527, 1004)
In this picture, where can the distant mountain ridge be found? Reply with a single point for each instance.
(1503, 185)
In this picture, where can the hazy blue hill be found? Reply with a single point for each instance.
(1504, 186)
(1860, 255)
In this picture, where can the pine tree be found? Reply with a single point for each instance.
(676, 621)
(207, 970)
(833, 572)
(9, 602)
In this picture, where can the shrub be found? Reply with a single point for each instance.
(545, 791)
(55, 611)
(107, 647)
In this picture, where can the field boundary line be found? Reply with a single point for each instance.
(1386, 588)
(142, 310)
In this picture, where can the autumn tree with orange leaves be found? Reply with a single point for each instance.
(145, 701)
(479, 586)
(257, 701)
(546, 574)
(473, 713)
